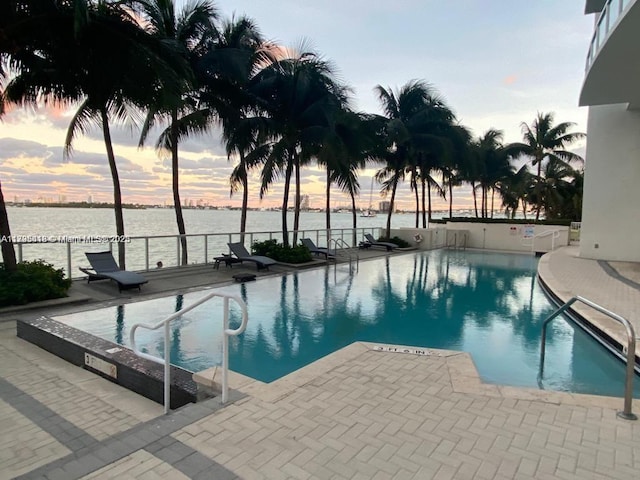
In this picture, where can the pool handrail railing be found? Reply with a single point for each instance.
(626, 413)
(166, 361)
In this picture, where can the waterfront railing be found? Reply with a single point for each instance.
(143, 253)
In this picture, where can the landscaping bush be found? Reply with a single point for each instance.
(280, 253)
(33, 281)
(397, 240)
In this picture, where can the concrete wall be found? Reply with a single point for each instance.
(493, 236)
(610, 210)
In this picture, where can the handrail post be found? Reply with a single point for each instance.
(68, 259)
(167, 370)
(166, 362)
(225, 352)
(146, 253)
(626, 413)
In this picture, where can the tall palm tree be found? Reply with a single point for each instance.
(298, 96)
(399, 109)
(190, 30)
(30, 35)
(118, 65)
(235, 57)
(97, 55)
(494, 166)
(347, 148)
(543, 141)
(514, 190)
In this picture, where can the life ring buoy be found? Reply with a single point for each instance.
(417, 237)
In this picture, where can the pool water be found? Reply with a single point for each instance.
(487, 304)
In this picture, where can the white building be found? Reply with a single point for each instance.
(611, 89)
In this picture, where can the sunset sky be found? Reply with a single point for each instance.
(496, 63)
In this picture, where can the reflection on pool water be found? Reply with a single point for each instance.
(487, 304)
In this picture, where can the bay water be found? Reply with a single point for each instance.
(91, 228)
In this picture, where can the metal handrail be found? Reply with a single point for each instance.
(631, 349)
(345, 246)
(167, 340)
(455, 245)
(554, 234)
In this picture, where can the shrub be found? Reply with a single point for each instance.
(280, 253)
(33, 281)
(397, 240)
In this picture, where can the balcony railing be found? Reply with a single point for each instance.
(610, 15)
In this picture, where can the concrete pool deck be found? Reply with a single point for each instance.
(365, 412)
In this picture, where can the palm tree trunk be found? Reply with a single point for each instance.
(424, 204)
(354, 216)
(245, 199)
(296, 210)
(414, 184)
(285, 201)
(8, 252)
(475, 198)
(493, 194)
(538, 190)
(327, 213)
(177, 206)
(429, 198)
(391, 203)
(117, 194)
(450, 198)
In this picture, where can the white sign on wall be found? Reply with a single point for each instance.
(528, 231)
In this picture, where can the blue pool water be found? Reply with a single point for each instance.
(487, 304)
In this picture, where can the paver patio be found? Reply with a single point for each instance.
(360, 413)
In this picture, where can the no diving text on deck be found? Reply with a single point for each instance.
(411, 351)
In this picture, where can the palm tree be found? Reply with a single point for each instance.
(235, 57)
(493, 167)
(347, 148)
(561, 190)
(29, 33)
(514, 190)
(190, 30)
(298, 96)
(97, 55)
(119, 65)
(545, 141)
(401, 109)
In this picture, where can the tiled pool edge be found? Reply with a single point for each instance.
(145, 377)
(460, 366)
(108, 360)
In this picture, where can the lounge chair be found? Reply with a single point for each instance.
(307, 242)
(375, 243)
(103, 267)
(242, 254)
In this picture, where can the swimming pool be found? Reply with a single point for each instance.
(487, 304)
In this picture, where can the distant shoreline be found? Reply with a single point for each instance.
(170, 207)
